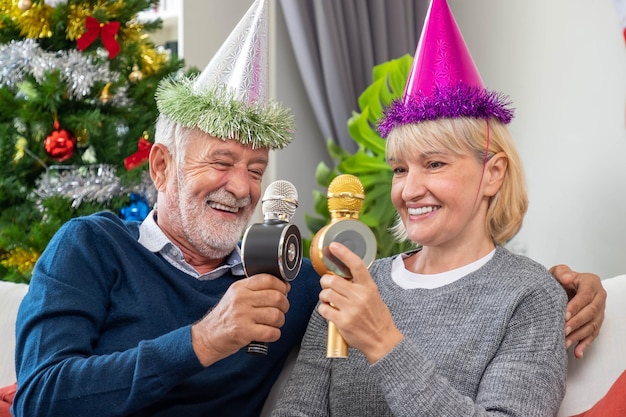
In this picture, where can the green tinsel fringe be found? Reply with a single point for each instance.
(215, 111)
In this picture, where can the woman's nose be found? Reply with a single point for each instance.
(414, 186)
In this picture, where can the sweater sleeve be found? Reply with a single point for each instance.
(526, 377)
(61, 372)
(306, 391)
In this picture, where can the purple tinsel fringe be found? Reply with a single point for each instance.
(447, 103)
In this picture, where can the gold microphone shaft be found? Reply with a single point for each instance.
(336, 346)
(345, 200)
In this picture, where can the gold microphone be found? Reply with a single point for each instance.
(345, 200)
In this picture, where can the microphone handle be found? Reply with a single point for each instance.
(257, 348)
(357, 237)
(336, 345)
(273, 247)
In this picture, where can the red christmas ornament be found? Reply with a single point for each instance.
(60, 143)
(142, 154)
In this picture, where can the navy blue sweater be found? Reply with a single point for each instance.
(105, 330)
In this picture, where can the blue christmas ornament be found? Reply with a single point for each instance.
(138, 208)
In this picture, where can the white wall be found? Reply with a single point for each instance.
(563, 63)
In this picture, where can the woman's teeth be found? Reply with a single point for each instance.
(422, 210)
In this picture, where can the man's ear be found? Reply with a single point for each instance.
(495, 172)
(160, 165)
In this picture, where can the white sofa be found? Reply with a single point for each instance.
(588, 378)
(11, 295)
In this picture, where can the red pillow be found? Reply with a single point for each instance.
(6, 399)
(613, 404)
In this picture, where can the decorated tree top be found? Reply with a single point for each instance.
(77, 113)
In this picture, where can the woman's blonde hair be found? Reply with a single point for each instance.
(508, 206)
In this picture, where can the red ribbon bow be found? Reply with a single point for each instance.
(139, 157)
(106, 31)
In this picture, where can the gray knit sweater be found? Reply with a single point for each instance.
(489, 344)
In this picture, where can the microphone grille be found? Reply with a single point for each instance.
(345, 193)
(280, 199)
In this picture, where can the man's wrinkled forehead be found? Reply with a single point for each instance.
(204, 145)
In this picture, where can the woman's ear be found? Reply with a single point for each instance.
(160, 165)
(495, 172)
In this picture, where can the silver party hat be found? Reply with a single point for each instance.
(229, 99)
(241, 61)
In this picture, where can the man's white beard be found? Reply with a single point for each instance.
(210, 235)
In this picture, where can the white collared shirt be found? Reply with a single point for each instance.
(152, 238)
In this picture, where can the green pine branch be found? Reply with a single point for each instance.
(106, 132)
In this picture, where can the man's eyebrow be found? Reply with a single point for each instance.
(260, 160)
(222, 152)
(232, 154)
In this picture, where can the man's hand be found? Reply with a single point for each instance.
(585, 310)
(253, 308)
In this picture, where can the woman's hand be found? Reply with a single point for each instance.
(358, 311)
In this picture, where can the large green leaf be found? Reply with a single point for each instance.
(368, 162)
(360, 129)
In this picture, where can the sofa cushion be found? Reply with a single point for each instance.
(591, 377)
(11, 295)
(613, 404)
(6, 399)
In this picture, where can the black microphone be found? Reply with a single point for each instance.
(274, 246)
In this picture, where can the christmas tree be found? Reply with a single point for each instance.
(77, 113)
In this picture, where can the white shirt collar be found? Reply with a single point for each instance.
(152, 238)
(410, 280)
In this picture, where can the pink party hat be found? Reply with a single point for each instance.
(443, 82)
(229, 98)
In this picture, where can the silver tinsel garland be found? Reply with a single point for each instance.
(88, 183)
(78, 70)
